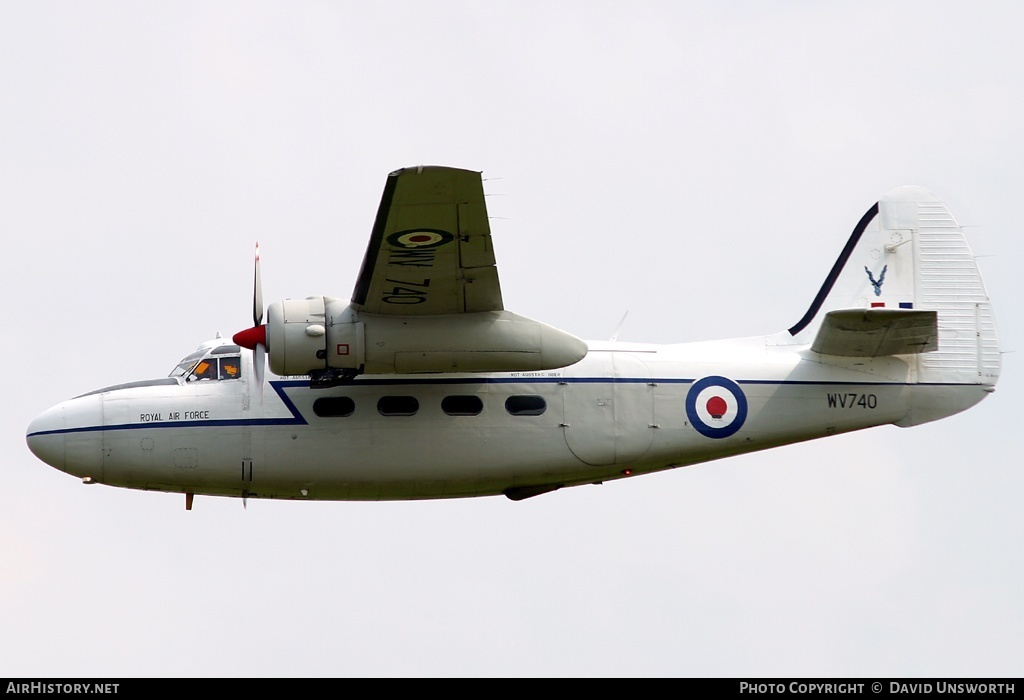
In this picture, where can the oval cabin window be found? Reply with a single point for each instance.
(334, 407)
(398, 405)
(462, 405)
(530, 405)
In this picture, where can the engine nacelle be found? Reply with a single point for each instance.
(321, 334)
(297, 335)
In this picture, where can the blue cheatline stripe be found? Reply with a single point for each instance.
(297, 418)
(597, 380)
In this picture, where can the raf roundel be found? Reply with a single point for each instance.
(716, 407)
(420, 238)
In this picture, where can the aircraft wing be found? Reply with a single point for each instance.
(877, 332)
(430, 250)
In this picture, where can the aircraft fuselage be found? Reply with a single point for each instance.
(424, 385)
(624, 410)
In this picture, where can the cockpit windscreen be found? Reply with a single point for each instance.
(207, 365)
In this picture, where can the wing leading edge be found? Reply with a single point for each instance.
(430, 250)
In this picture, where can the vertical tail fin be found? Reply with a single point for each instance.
(906, 256)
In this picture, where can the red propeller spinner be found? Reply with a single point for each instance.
(251, 337)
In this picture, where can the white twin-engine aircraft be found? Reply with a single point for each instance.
(424, 386)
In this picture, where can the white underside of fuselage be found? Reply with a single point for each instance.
(624, 410)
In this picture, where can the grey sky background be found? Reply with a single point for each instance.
(699, 165)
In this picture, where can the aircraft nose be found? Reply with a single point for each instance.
(45, 436)
(69, 437)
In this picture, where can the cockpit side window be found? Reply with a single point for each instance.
(230, 368)
(205, 369)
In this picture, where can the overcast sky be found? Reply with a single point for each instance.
(699, 165)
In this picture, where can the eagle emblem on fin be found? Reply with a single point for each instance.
(876, 284)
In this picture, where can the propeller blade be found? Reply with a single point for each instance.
(257, 292)
(255, 338)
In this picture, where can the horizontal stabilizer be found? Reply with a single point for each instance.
(877, 332)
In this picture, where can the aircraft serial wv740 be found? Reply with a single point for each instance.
(425, 386)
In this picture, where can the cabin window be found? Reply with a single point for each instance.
(462, 405)
(528, 405)
(334, 407)
(398, 405)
